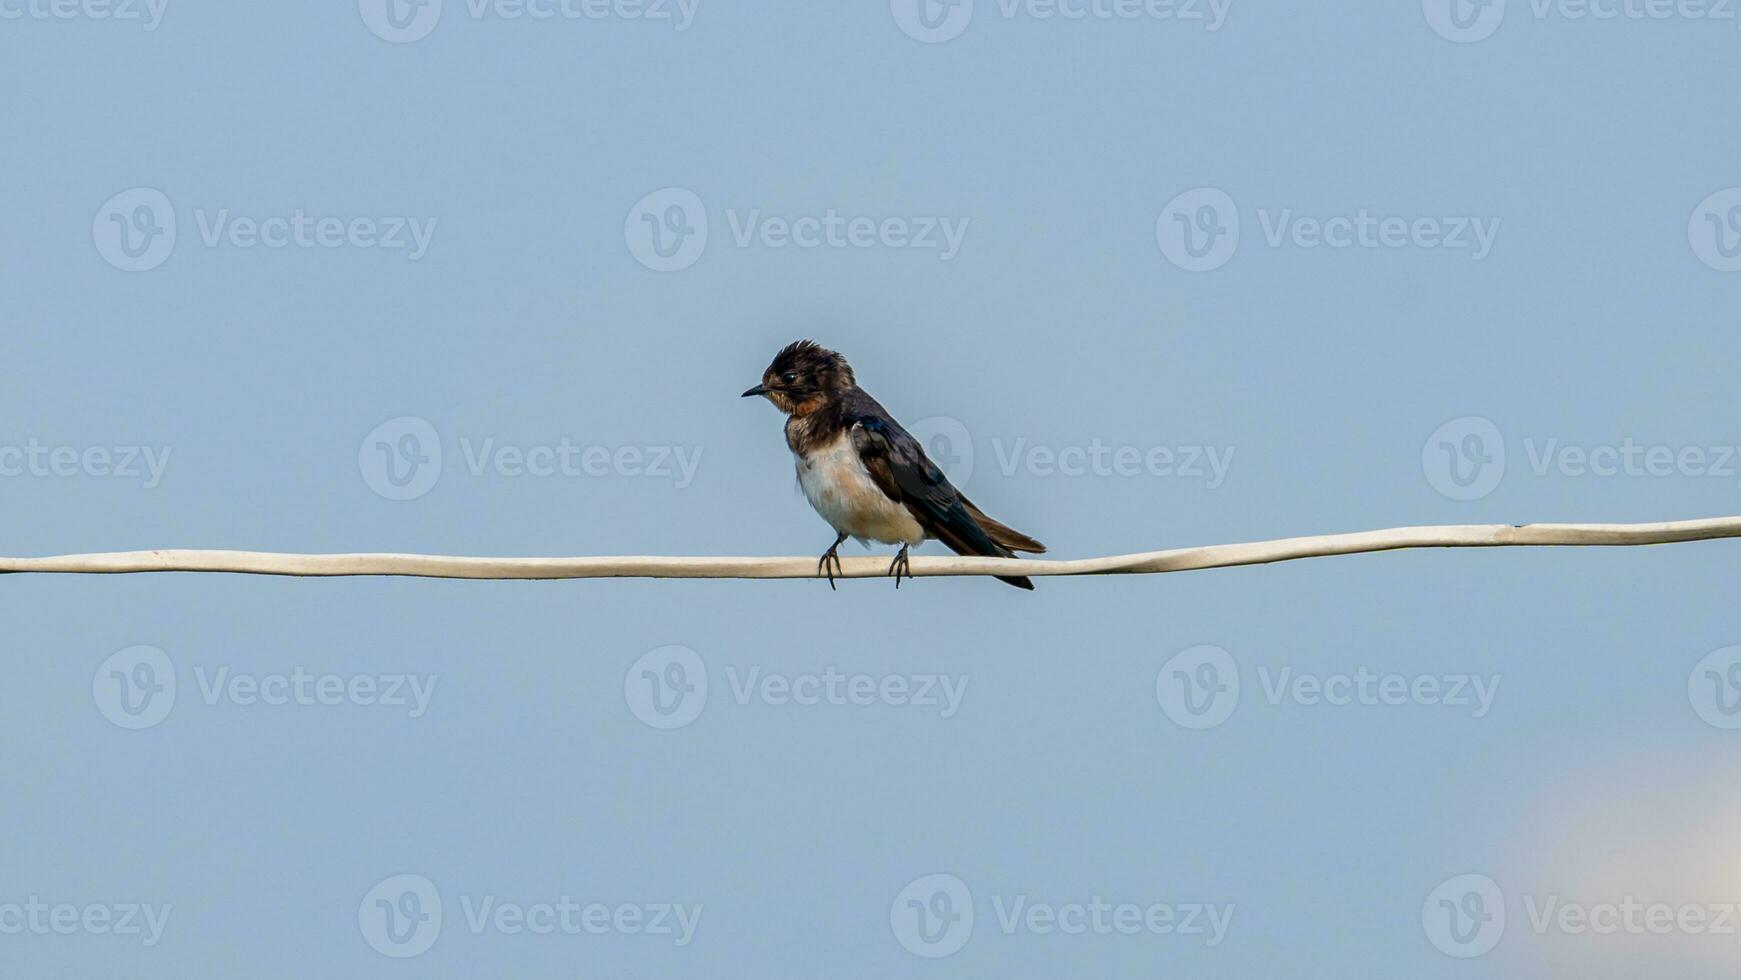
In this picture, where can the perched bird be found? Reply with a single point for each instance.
(866, 476)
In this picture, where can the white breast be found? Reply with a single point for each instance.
(840, 489)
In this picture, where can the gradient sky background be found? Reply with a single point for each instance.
(1060, 323)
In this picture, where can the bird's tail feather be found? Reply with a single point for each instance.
(1005, 535)
(967, 531)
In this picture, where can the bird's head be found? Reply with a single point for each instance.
(803, 376)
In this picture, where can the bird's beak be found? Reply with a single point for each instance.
(757, 390)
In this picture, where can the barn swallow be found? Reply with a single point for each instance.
(866, 476)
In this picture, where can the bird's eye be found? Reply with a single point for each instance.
(789, 377)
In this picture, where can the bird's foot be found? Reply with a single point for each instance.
(830, 562)
(900, 566)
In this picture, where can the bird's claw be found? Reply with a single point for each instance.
(900, 565)
(830, 563)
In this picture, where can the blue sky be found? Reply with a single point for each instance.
(486, 278)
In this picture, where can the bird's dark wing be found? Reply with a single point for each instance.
(899, 467)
